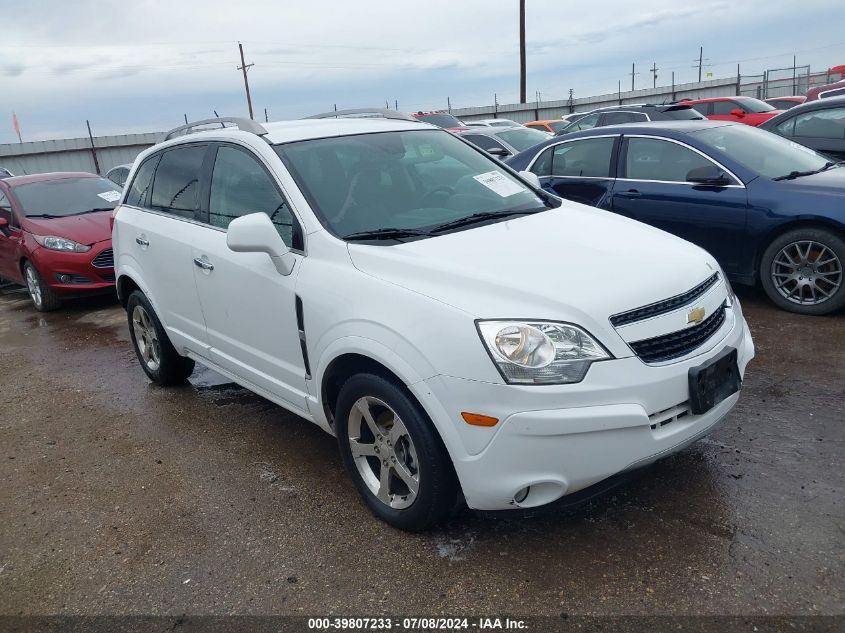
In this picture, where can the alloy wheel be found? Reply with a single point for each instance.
(146, 338)
(383, 452)
(806, 272)
(34, 286)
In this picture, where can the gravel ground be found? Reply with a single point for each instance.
(118, 497)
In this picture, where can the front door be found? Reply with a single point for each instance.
(11, 242)
(653, 189)
(579, 170)
(250, 309)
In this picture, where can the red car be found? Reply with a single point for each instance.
(739, 109)
(836, 89)
(785, 103)
(55, 235)
(441, 119)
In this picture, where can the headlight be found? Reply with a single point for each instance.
(61, 244)
(540, 352)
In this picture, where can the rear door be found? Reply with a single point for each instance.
(155, 233)
(579, 170)
(652, 187)
(250, 309)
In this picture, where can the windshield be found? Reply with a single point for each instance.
(401, 180)
(557, 126)
(755, 105)
(440, 120)
(68, 196)
(522, 138)
(765, 153)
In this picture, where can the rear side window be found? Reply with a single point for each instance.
(724, 107)
(588, 158)
(138, 194)
(177, 180)
(240, 186)
(821, 124)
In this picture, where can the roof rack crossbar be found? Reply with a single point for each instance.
(375, 112)
(245, 125)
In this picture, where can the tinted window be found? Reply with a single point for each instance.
(177, 180)
(588, 157)
(822, 124)
(584, 123)
(138, 193)
(522, 138)
(483, 141)
(240, 186)
(616, 118)
(723, 107)
(654, 159)
(67, 196)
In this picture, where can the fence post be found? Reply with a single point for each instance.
(738, 81)
(93, 151)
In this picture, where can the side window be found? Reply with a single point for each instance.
(543, 165)
(654, 159)
(483, 141)
(724, 107)
(836, 92)
(616, 118)
(177, 180)
(821, 124)
(589, 157)
(138, 194)
(240, 186)
(586, 123)
(787, 128)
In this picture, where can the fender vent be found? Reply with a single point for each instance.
(300, 325)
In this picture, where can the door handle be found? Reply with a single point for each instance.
(140, 241)
(631, 193)
(204, 264)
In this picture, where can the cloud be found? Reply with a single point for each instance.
(12, 70)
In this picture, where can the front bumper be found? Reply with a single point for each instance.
(69, 273)
(556, 440)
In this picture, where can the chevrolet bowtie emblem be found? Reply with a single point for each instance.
(695, 316)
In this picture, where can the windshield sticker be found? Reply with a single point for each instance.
(110, 196)
(495, 181)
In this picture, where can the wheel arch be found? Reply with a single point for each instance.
(798, 222)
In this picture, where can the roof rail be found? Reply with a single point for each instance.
(364, 113)
(246, 125)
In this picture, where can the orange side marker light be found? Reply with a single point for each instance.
(476, 419)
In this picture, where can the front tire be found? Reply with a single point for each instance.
(43, 298)
(802, 271)
(159, 359)
(393, 454)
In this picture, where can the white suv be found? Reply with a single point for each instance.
(458, 329)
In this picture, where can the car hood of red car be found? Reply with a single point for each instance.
(87, 228)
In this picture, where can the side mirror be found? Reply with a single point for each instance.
(738, 112)
(531, 177)
(708, 175)
(498, 151)
(255, 233)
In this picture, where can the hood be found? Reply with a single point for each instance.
(830, 182)
(88, 228)
(575, 263)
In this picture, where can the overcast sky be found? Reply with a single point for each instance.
(139, 65)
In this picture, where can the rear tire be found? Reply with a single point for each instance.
(43, 297)
(394, 454)
(159, 359)
(802, 271)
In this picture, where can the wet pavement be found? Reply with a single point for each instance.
(119, 497)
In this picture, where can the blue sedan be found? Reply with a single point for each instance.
(769, 210)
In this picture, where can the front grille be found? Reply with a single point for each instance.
(667, 416)
(680, 343)
(667, 305)
(104, 259)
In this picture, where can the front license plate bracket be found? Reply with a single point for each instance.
(715, 380)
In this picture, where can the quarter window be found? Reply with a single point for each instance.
(654, 159)
(177, 180)
(240, 186)
(585, 158)
(821, 124)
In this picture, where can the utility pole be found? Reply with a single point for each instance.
(244, 67)
(619, 93)
(522, 51)
(449, 105)
(700, 61)
(654, 70)
(93, 151)
(266, 118)
(633, 74)
(794, 89)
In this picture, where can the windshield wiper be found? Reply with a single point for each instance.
(797, 174)
(95, 210)
(386, 234)
(480, 217)
(44, 215)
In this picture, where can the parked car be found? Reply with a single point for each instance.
(769, 210)
(422, 302)
(739, 109)
(785, 103)
(491, 123)
(5, 173)
(441, 119)
(55, 235)
(118, 174)
(836, 89)
(633, 113)
(505, 141)
(819, 125)
(552, 126)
